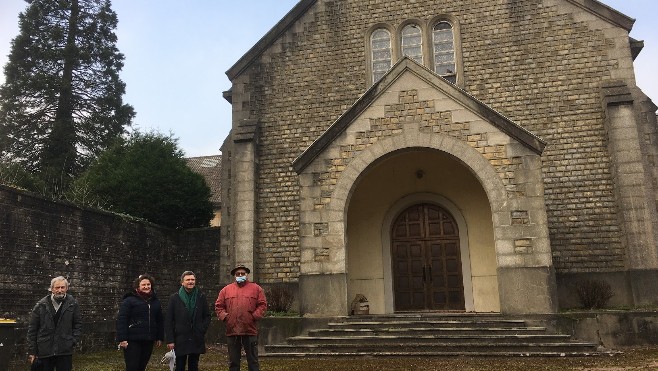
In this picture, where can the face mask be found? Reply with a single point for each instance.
(240, 279)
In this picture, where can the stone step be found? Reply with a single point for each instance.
(431, 334)
(434, 348)
(423, 338)
(348, 331)
(471, 323)
(429, 314)
(429, 354)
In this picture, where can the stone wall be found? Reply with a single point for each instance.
(534, 61)
(99, 252)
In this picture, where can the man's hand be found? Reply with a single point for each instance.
(31, 358)
(123, 344)
(170, 346)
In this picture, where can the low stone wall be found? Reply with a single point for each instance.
(100, 253)
(271, 330)
(611, 329)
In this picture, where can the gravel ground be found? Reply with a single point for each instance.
(638, 358)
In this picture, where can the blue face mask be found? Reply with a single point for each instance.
(241, 279)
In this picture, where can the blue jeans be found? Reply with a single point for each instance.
(235, 345)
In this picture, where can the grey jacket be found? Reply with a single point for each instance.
(47, 339)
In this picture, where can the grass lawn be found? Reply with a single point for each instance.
(645, 358)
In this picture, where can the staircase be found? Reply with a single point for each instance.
(431, 334)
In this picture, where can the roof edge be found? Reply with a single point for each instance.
(268, 39)
(636, 47)
(605, 12)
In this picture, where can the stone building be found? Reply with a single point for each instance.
(462, 155)
(209, 167)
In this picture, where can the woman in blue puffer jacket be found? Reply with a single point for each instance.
(140, 324)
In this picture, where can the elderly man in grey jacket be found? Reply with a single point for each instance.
(55, 327)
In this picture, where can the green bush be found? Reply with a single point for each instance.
(279, 298)
(594, 294)
(145, 175)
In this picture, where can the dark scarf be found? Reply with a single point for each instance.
(144, 295)
(189, 299)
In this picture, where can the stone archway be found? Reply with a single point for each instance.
(323, 266)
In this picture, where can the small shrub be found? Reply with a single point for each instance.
(593, 294)
(14, 175)
(279, 298)
(81, 194)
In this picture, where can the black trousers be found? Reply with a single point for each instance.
(59, 363)
(192, 361)
(235, 346)
(137, 354)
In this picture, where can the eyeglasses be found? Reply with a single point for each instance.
(239, 274)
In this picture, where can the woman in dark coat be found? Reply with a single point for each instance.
(140, 324)
(188, 318)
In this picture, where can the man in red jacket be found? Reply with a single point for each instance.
(240, 305)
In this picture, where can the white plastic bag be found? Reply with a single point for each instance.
(169, 357)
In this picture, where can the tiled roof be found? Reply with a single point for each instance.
(210, 168)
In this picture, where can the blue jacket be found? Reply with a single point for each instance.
(140, 319)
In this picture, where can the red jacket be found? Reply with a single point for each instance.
(240, 307)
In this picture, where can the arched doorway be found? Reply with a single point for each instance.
(426, 260)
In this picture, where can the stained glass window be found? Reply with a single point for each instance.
(412, 42)
(380, 46)
(444, 51)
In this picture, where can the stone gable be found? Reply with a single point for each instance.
(540, 63)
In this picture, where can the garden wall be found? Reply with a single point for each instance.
(99, 252)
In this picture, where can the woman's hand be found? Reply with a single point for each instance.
(123, 344)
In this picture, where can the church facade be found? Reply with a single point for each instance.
(456, 155)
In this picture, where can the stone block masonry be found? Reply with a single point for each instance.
(99, 252)
(539, 62)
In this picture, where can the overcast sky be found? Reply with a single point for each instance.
(177, 56)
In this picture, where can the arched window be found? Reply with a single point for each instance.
(412, 42)
(444, 51)
(380, 46)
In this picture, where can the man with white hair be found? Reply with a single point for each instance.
(54, 329)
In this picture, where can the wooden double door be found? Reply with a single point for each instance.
(426, 258)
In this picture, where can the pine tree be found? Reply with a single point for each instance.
(61, 104)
